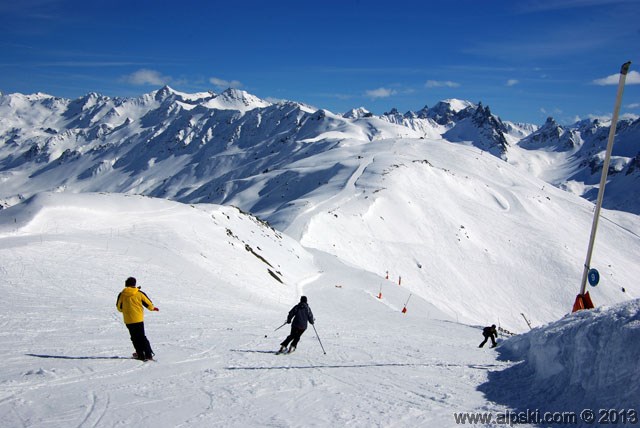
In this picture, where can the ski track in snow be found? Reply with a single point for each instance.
(299, 225)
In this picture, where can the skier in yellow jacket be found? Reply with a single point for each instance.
(131, 302)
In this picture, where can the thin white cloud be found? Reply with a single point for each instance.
(147, 77)
(380, 93)
(633, 105)
(600, 117)
(224, 84)
(633, 78)
(551, 111)
(336, 95)
(607, 117)
(512, 82)
(441, 84)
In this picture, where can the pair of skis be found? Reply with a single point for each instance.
(285, 351)
(134, 356)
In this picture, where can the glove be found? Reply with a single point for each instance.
(156, 309)
(288, 321)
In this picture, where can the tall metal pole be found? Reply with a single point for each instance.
(605, 170)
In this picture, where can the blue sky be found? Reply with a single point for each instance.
(525, 59)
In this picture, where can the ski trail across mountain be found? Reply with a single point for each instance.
(298, 226)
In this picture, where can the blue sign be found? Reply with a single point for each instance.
(594, 277)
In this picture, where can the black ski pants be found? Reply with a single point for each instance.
(294, 337)
(486, 337)
(139, 340)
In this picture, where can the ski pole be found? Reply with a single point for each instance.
(319, 341)
(407, 302)
(404, 310)
(280, 326)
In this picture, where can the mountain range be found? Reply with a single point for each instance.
(208, 147)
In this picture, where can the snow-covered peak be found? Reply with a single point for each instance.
(18, 97)
(166, 92)
(423, 113)
(357, 113)
(393, 112)
(447, 111)
(551, 135)
(455, 105)
(236, 99)
(519, 130)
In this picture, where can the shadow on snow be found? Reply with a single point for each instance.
(357, 366)
(70, 357)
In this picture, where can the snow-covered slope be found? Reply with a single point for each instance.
(224, 281)
(65, 348)
(472, 234)
(204, 239)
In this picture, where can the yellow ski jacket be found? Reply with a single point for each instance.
(130, 302)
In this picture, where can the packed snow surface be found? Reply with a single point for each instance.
(65, 349)
(224, 281)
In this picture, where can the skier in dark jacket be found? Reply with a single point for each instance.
(489, 333)
(300, 314)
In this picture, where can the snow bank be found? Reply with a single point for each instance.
(588, 359)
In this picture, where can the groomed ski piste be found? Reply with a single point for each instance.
(224, 280)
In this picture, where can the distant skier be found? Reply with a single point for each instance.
(131, 302)
(300, 314)
(489, 333)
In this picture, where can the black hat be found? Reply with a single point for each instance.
(493, 325)
(130, 282)
(303, 299)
